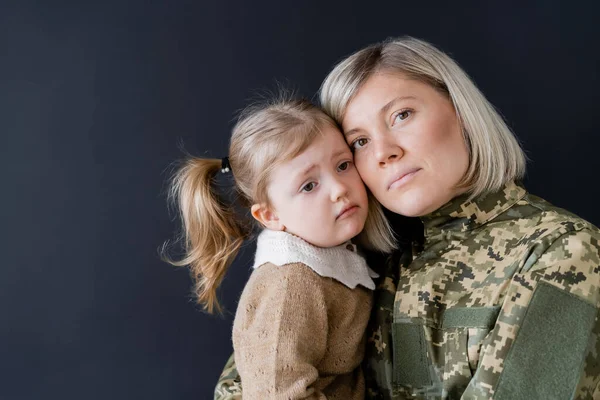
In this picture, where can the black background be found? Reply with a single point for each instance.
(95, 99)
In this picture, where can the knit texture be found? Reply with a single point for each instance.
(342, 263)
(297, 335)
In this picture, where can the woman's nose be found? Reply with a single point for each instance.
(386, 151)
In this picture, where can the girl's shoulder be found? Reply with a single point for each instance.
(274, 290)
(285, 274)
(295, 281)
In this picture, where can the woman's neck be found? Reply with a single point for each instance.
(461, 215)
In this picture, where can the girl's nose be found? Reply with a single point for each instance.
(339, 190)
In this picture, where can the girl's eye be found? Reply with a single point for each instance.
(344, 166)
(358, 143)
(309, 187)
(401, 116)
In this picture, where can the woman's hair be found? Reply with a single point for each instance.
(495, 156)
(264, 137)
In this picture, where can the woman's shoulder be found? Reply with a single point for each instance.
(539, 221)
(562, 244)
(533, 212)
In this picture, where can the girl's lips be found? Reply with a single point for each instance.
(347, 212)
(403, 179)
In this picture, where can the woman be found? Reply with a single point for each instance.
(502, 300)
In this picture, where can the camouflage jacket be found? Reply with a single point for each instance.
(501, 302)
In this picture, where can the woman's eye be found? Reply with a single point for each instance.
(308, 187)
(358, 143)
(401, 116)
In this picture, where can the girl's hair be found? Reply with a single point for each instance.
(264, 137)
(495, 156)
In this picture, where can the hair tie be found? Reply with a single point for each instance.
(225, 166)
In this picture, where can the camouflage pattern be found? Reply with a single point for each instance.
(229, 386)
(487, 254)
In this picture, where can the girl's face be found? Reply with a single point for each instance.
(407, 142)
(317, 195)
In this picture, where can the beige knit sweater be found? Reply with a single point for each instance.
(298, 335)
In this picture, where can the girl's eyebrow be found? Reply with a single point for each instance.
(307, 170)
(339, 153)
(310, 167)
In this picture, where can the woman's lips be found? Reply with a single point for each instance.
(403, 179)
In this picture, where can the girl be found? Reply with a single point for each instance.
(299, 327)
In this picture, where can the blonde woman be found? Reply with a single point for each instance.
(299, 329)
(502, 300)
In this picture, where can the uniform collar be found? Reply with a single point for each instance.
(342, 263)
(460, 215)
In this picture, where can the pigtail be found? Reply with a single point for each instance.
(264, 136)
(212, 233)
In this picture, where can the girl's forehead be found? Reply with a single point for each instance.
(324, 149)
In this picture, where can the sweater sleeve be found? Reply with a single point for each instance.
(280, 333)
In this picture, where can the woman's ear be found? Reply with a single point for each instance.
(267, 217)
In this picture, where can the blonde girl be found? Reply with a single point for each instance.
(299, 327)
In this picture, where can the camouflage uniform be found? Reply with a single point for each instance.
(229, 386)
(501, 302)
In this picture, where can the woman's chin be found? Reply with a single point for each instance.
(411, 205)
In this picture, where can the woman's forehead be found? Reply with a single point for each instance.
(380, 93)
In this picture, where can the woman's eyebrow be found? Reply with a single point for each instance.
(351, 132)
(385, 109)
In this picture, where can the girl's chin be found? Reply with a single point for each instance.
(351, 231)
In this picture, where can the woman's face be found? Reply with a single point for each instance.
(407, 143)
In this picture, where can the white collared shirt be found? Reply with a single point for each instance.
(342, 263)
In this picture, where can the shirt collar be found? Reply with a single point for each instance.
(461, 215)
(342, 263)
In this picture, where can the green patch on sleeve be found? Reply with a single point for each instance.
(547, 356)
(411, 364)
